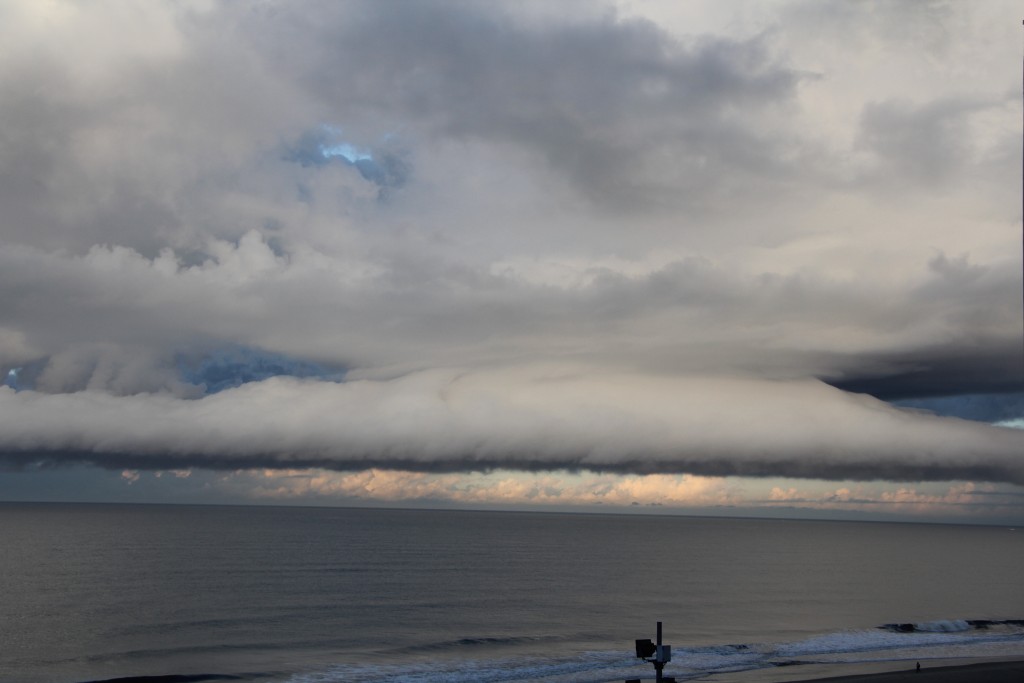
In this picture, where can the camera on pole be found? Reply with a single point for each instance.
(657, 654)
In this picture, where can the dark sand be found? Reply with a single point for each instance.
(989, 672)
(934, 671)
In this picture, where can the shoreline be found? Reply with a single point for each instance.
(997, 670)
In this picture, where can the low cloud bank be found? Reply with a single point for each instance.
(524, 418)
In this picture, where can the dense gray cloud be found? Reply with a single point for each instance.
(688, 316)
(368, 193)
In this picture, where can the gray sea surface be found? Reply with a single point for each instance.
(297, 595)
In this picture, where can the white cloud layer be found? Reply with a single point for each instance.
(531, 419)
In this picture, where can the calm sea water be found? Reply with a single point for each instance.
(302, 595)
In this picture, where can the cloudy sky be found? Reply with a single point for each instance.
(745, 257)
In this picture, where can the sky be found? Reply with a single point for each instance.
(758, 258)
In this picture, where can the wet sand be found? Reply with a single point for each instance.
(988, 672)
(935, 671)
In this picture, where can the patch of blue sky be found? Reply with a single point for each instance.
(992, 408)
(333, 144)
(232, 367)
(326, 144)
(11, 380)
(347, 151)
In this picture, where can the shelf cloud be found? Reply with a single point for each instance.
(541, 418)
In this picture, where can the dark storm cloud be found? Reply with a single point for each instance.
(600, 98)
(943, 371)
(992, 408)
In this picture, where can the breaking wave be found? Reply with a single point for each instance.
(956, 638)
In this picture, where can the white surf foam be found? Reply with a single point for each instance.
(946, 639)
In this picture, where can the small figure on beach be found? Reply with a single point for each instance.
(919, 667)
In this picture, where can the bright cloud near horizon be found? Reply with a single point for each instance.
(746, 256)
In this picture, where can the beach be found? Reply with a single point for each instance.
(986, 672)
(941, 671)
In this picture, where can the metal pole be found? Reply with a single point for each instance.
(658, 665)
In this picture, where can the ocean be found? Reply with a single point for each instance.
(323, 595)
